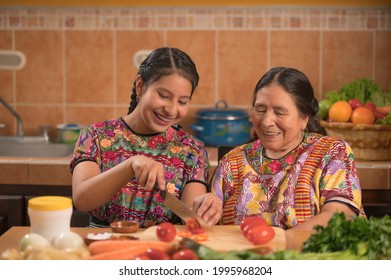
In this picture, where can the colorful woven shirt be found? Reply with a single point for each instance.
(290, 190)
(111, 142)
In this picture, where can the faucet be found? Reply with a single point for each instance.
(19, 132)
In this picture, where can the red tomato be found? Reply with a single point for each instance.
(155, 254)
(184, 254)
(142, 256)
(166, 232)
(249, 222)
(201, 237)
(184, 233)
(252, 219)
(260, 234)
(263, 250)
(193, 225)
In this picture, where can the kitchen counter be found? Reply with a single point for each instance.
(10, 239)
(55, 171)
(35, 171)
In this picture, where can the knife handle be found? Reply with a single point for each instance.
(162, 193)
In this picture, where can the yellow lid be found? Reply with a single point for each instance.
(49, 203)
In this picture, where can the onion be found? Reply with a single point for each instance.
(31, 240)
(68, 241)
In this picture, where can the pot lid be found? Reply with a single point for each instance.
(222, 113)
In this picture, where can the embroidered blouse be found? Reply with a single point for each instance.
(111, 142)
(249, 183)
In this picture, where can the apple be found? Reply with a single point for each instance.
(324, 106)
(380, 115)
(355, 103)
(371, 106)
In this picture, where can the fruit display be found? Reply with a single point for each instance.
(358, 102)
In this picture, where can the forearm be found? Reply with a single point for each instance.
(92, 189)
(191, 191)
(328, 210)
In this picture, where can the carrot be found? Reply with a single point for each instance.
(129, 253)
(384, 109)
(104, 246)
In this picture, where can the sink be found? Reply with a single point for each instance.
(24, 139)
(32, 147)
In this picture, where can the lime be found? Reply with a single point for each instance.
(324, 106)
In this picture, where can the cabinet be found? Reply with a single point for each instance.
(11, 212)
(14, 203)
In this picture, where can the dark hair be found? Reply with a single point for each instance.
(299, 87)
(163, 62)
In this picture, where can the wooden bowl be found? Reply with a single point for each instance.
(368, 141)
(124, 226)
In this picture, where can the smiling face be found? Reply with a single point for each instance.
(277, 121)
(162, 104)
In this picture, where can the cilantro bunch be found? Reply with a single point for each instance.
(362, 237)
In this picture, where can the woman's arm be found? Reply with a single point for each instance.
(297, 235)
(92, 189)
(327, 211)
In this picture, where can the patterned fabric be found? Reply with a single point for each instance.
(303, 185)
(268, 187)
(111, 142)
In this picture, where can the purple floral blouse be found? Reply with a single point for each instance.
(111, 142)
(268, 185)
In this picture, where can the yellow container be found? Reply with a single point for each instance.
(50, 215)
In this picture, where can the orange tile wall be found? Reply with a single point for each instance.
(79, 60)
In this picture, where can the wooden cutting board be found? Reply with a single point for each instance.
(225, 238)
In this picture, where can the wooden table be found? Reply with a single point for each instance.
(10, 239)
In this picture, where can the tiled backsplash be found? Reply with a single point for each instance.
(79, 60)
(258, 18)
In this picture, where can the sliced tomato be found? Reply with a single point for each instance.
(184, 233)
(193, 225)
(201, 237)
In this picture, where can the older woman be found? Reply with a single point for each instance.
(292, 175)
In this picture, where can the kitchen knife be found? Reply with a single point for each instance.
(181, 209)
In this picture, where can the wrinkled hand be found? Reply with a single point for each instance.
(209, 207)
(148, 172)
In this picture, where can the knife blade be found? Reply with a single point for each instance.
(181, 209)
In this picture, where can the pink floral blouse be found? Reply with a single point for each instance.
(111, 142)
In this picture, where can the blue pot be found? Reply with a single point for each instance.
(222, 126)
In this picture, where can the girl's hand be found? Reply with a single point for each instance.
(148, 172)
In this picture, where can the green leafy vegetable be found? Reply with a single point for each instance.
(341, 239)
(385, 120)
(364, 90)
(362, 237)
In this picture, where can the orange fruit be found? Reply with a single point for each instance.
(340, 111)
(362, 115)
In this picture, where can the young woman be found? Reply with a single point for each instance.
(119, 166)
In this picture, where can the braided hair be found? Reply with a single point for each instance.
(299, 87)
(163, 62)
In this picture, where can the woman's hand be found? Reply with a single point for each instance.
(209, 207)
(148, 172)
